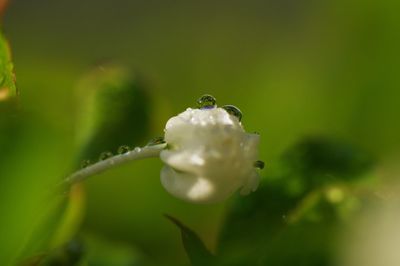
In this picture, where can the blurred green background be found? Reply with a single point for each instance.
(294, 68)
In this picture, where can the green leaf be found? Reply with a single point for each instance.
(317, 157)
(194, 246)
(294, 216)
(8, 90)
(113, 110)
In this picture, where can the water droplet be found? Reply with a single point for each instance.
(156, 141)
(206, 102)
(233, 110)
(105, 155)
(137, 149)
(123, 149)
(259, 164)
(85, 163)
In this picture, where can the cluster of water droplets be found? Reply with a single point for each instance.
(85, 163)
(105, 155)
(122, 150)
(208, 102)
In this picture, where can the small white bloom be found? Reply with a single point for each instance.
(209, 156)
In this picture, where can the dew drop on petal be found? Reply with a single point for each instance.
(233, 110)
(206, 102)
(259, 164)
(156, 141)
(123, 149)
(105, 155)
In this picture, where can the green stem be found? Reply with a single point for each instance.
(101, 166)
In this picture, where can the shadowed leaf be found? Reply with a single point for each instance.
(195, 248)
(318, 156)
(304, 202)
(112, 111)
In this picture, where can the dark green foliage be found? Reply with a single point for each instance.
(113, 111)
(319, 161)
(10, 128)
(195, 248)
(259, 231)
(294, 216)
(318, 156)
(69, 254)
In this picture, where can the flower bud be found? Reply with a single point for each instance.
(209, 156)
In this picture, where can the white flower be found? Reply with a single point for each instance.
(207, 153)
(209, 156)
